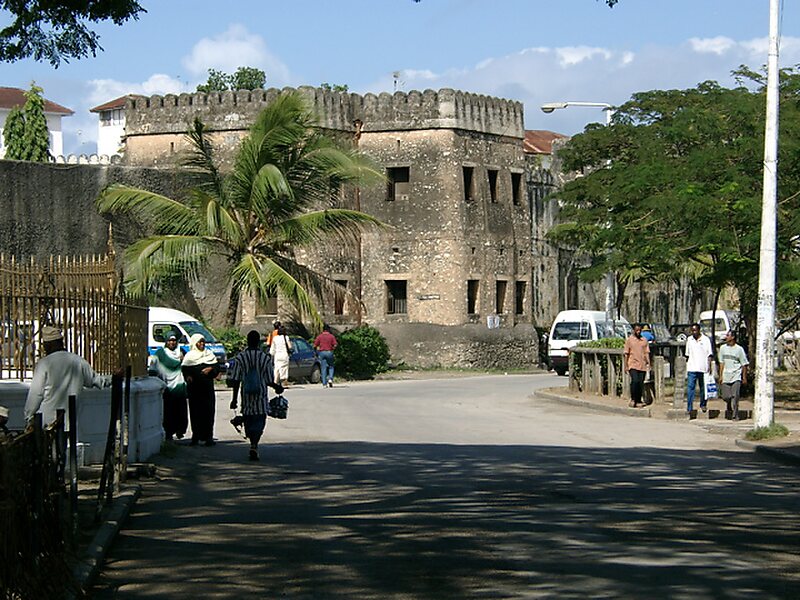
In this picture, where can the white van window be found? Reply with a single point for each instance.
(193, 327)
(572, 331)
(719, 326)
(162, 331)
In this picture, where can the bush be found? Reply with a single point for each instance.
(233, 340)
(766, 433)
(361, 354)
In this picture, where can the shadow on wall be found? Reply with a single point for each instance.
(362, 520)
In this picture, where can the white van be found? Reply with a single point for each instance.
(573, 326)
(724, 321)
(164, 322)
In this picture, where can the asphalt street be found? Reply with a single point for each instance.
(460, 488)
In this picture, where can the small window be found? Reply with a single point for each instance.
(267, 306)
(338, 302)
(492, 173)
(500, 297)
(472, 296)
(519, 298)
(469, 194)
(398, 178)
(516, 188)
(396, 297)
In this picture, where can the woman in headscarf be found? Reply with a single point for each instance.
(167, 362)
(280, 350)
(200, 368)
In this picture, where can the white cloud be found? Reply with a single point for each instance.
(572, 55)
(103, 90)
(236, 47)
(546, 74)
(717, 45)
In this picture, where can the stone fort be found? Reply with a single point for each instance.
(467, 211)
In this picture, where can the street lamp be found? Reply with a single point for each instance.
(549, 107)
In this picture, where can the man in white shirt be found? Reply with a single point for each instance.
(59, 375)
(699, 356)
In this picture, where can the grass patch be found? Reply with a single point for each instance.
(775, 430)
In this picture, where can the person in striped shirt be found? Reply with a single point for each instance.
(250, 372)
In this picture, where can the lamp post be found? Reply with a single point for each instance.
(611, 279)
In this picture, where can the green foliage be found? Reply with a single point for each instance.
(275, 201)
(774, 430)
(233, 340)
(673, 187)
(56, 30)
(335, 87)
(615, 342)
(26, 136)
(244, 78)
(36, 139)
(13, 134)
(362, 353)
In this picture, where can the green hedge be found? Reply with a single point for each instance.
(362, 353)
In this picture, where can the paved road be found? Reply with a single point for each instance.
(461, 488)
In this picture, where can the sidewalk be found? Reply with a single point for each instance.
(786, 449)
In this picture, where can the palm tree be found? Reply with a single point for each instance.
(277, 198)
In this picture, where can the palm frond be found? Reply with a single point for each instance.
(158, 257)
(263, 276)
(165, 214)
(343, 225)
(200, 159)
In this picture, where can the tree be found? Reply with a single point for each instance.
(335, 87)
(675, 183)
(13, 134)
(244, 78)
(26, 135)
(57, 30)
(37, 138)
(277, 199)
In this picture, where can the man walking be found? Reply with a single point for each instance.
(734, 374)
(250, 371)
(699, 356)
(325, 343)
(637, 363)
(57, 376)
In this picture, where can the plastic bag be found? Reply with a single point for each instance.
(711, 386)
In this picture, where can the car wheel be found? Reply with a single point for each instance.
(316, 375)
(561, 372)
(681, 337)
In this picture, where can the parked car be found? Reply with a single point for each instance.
(573, 326)
(304, 362)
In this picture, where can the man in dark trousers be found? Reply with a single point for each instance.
(250, 371)
(637, 363)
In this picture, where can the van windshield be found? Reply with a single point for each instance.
(572, 331)
(193, 327)
(605, 329)
(719, 326)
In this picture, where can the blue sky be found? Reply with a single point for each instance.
(534, 51)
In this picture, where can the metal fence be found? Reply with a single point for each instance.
(79, 295)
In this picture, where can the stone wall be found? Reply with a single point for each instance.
(464, 347)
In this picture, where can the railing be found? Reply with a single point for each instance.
(80, 296)
(600, 371)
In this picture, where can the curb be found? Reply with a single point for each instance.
(776, 452)
(86, 571)
(618, 410)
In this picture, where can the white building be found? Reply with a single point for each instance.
(12, 97)
(111, 126)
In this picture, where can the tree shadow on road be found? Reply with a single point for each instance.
(371, 520)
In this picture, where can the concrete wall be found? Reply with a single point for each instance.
(94, 412)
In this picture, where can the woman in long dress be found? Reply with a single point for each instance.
(200, 368)
(281, 349)
(167, 361)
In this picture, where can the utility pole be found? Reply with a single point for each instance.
(765, 330)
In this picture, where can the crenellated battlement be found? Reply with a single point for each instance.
(401, 111)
